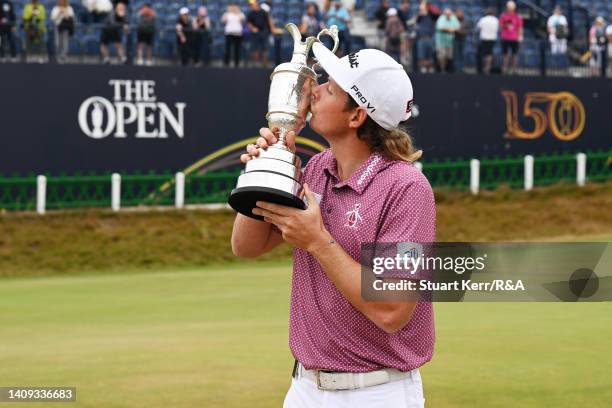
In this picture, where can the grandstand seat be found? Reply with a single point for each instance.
(165, 48)
(529, 59)
(90, 44)
(469, 56)
(358, 42)
(371, 10)
(74, 46)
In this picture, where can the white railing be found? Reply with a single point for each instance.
(179, 193)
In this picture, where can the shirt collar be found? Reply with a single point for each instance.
(362, 177)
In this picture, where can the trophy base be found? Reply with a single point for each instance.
(243, 199)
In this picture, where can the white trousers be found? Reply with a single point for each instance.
(558, 46)
(406, 393)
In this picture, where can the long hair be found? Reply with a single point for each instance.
(395, 144)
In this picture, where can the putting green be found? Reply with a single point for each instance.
(217, 337)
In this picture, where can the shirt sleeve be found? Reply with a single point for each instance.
(410, 215)
(408, 222)
(456, 24)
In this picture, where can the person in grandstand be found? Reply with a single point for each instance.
(112, 33)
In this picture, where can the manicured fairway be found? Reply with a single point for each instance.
(217, 337)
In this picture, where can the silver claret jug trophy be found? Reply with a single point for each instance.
(274, 175)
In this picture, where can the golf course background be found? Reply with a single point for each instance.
(151, 310)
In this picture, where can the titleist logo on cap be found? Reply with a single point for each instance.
(352, 58)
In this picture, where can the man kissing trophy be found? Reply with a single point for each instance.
(275, 174)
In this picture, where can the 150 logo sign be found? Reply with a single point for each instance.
(560, 112)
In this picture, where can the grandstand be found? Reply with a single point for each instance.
(534, 54)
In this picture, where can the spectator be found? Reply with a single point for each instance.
(446, 26)
(488, 26)
(34, 24)
(511, 24)
(381, 14)
(404, 16)
(7, 28)
(339, 16)
(597, 41)
(145, 34)
(404, 12)
(558, 31)
(233, 20)
(381, 17)
(112, 33)
(184, 35)
(609, 37)
(202, 37)
(393, 30)
(276, 34)
(259, 27)
(459, 44)
(98, 10)
(349, 5)
(63, 19)
(311, 24)
(425, 30)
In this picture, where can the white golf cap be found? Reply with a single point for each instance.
(184, 10)
(391, 12)
(265, 7)
(374, 80)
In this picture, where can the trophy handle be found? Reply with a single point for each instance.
(300, 48)
(333, 33)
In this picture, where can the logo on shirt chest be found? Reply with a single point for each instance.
(353, 217)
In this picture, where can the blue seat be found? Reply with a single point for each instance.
(358, 42)
(529, 59)
(166, 48)
(90, 45)
(74, 46)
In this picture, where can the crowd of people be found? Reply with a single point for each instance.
(435, 38)
(193, 33)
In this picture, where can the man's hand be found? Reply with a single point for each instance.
(266, 138)
(301, 228)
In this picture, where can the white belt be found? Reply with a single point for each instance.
(328, 380)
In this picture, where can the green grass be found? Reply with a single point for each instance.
(77, 242)
(217, 337)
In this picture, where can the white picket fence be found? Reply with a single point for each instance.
(179, 191)
(581, 162)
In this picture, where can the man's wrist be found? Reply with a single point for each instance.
(318, 246)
